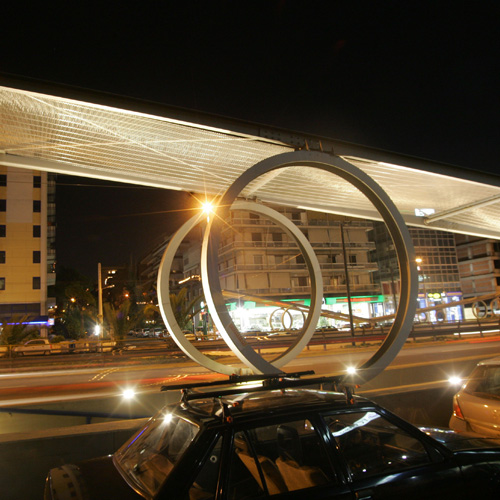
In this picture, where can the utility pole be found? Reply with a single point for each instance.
(348, 289)
(99, 291)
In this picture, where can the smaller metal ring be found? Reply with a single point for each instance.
(475, 307)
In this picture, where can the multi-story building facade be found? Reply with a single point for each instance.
(439, 279)
(479, 266)
(179, 272)
(261, 261)
(438, 272)
(27, 245)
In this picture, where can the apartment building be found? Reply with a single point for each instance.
(27, 245)
(479, 266)
(438, 270)
(259, 260)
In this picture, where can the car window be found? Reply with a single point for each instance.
(278, 458)
(149, 456)
(204, 486)
(484, 382)
(372, 445)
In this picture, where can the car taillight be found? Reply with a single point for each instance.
(457, 411)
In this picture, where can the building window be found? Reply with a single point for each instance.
(303, 281)
(36, 283)
(3, 230)
(37, 206)
(3, 179)
(256, 237)
(37, 231)
(3, 205)
(254, 218)
(352, 259)
(2, 283)
(2, 256)
(36, 257)
(37, 181)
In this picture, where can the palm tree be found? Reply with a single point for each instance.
(184, 311)
(16, 331)
(122, 318)
(80, 309)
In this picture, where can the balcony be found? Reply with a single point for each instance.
(242, 245)
(362, 289)
(248, 221)
(239, 268)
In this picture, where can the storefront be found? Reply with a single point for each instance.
(436, 299)
(249, 316)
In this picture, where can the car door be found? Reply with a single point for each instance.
(388, 461)
(284, 460)
(31, 347)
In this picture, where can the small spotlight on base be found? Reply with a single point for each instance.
(128, 394)
(454, 380)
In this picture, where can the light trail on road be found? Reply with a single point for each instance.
(84, 383)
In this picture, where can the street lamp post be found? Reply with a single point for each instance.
(419, 261)
(100, 311)
(393, 290)
(348, 289)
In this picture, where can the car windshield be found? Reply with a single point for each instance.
(149, 456)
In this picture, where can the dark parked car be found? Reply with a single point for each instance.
(286, 441)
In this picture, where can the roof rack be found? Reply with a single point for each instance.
(237, 379)
(263, 383)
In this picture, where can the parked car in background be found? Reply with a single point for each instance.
(190, 335)
(476, 407)
(159, 332)
(34, 346)
(275, 439)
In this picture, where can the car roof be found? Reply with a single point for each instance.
(246, 407)
(246, 397)
(490, 361)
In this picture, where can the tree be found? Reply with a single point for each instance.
(17, 331)
(75, 302)
(80, 310)
(184, 311)
(121, 318)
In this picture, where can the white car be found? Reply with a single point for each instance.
(34, 346)
(476, 407)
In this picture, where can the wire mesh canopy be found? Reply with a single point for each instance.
(147, 144)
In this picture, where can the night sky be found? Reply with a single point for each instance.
(418, 78)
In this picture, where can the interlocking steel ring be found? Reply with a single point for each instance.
(236, 342)
(213, 294)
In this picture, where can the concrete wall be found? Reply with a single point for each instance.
(25, 458)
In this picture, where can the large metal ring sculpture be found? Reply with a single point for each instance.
(235, 341)
(212, 289)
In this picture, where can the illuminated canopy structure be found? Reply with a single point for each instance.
(93, 135)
